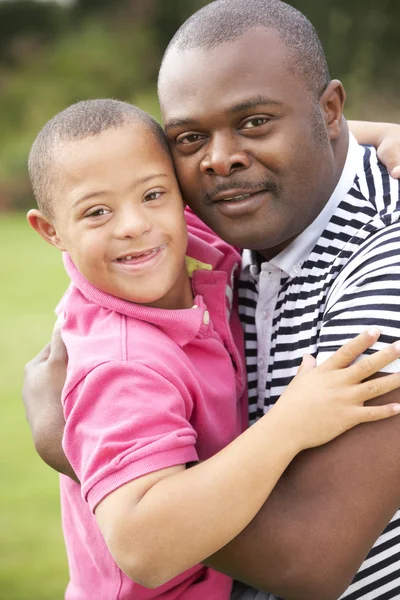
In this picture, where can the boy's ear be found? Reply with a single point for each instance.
(44, 228)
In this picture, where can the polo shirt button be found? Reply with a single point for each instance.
(206, 317)
(297, 268)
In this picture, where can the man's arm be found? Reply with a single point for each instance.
(323, 516)
(41, 393)
(385, 137)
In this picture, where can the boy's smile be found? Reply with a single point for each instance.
(119, 214)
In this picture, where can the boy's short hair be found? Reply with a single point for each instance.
(77, 122)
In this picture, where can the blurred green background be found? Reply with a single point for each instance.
(56, 53)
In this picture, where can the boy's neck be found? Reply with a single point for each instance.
(179, 297)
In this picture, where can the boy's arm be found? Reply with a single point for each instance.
(323, 516)
(386, 139)
(163, 523)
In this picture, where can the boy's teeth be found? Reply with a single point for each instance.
(130, 257)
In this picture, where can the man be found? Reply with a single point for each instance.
(263, 156)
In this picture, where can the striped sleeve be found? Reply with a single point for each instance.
(367, 294)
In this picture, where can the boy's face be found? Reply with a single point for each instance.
(119, 214)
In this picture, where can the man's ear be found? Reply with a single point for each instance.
(44, 228)
(332, 103)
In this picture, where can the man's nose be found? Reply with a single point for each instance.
(132, 222)
(224, 156)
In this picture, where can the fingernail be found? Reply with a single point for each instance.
(374, 331)
(396, 408)
(396, 171)
(397, 346)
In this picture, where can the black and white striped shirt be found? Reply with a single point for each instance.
(341, 275)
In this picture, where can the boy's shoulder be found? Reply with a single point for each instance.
(208, 248)
(95, 335)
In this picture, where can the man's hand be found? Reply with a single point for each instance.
(41, 393)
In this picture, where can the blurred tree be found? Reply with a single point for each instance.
(53, 55)
(25, 23)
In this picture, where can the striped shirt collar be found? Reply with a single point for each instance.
(292, 257)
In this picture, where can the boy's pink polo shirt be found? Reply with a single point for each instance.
(147, 389)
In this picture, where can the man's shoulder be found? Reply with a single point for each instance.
(376, 185)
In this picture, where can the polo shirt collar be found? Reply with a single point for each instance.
(292, 257)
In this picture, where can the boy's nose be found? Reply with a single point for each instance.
(132, 224)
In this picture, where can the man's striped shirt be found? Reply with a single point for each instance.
(341, 275)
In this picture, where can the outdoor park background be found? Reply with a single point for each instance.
(53, 54)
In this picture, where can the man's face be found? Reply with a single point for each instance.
(248, 139)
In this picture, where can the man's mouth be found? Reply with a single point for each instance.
(235, 195)
(237, 203)
(234, 198)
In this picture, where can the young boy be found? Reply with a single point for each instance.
(155, 377)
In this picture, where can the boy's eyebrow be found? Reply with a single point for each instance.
(104, 192)
(249, 103)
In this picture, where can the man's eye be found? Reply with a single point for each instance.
(255, 122)
(188, 138)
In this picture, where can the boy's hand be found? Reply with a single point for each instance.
(41, 393)
(386, 139)
(323, 402)
(388, 150)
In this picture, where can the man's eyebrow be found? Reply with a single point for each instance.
(172, 123)
(254, 102)
(249, 103)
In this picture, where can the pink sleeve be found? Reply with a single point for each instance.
(125, 420)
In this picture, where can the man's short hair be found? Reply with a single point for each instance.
(226, 20)
(81, 120)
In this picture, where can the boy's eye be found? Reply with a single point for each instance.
(98, 212)
(152, 196)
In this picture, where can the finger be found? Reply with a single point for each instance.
(308, 363)
(378, 386)
(377, 413)
(41, 357)
(370, 365)
(389, 152)
(58, 351)
(351, 350)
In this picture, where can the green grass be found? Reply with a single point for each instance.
(32, 558)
